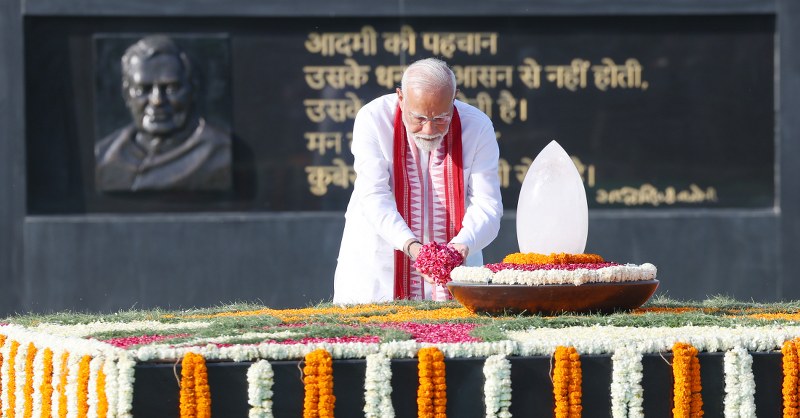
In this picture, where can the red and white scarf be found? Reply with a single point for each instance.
(445, 198)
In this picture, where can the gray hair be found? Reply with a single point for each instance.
(151, 46)
(428, 74)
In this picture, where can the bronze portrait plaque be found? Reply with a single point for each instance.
(167, 143)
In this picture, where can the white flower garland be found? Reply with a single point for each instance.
(249, 335)
(378, 387)
(611, 274)
(627, 394)
(740, 386)
(600, 339)
(466, 274)
(19, 374)
(57, 363)
(73, 368)
(259, 389)
(112, 384)
(146, 327)
(125, 378)
(38, 379)
(497, 389)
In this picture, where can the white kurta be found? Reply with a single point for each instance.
(373, 226)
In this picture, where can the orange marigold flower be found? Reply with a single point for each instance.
(28, 389)
(554, 258)
(195, 398)
(46, 388)
(432, 391)
(202, 391)
(102, 398)
(2, 343)
(567, 380)
(12, 384)
(83, 386)
(319, 401)
(688, 401)
(790, 378)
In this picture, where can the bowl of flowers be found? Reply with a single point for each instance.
(534, 283)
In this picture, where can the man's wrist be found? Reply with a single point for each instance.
(407, 248)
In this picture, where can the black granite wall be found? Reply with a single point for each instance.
(64, 247)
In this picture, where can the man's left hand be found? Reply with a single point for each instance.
(463, 249)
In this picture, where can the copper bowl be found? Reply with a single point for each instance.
(499, 299)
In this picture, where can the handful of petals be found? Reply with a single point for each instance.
(437, 261)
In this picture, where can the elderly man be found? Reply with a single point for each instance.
(426, 169)
(168, 146)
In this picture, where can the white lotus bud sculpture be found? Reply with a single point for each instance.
(552, 214)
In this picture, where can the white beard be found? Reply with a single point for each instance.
(428, 145)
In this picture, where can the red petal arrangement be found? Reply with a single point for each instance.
(437, 261)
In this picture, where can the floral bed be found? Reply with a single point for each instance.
(74, 365)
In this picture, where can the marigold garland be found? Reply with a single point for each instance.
(776, 315)
(83, 386)
(188, 405)
(202, 390)
(319, 401)
(195, 400)
(790, 378)
(371, 313)
(46, 388)
(2, 343)
(567, 379)
(12, 381)
(28, 389)
(311, 390)
(687, 400)
(432, 390)
(554, 258)
(575, 382)
(102, 398)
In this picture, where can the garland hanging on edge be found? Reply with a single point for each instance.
(319, 401)
(688, 401)
(567, 381)
(195, 392)
(432, 390)
(260, 378)
(790, 378)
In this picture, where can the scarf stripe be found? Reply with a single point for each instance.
(404, 165)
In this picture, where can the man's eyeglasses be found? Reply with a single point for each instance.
(442, 120)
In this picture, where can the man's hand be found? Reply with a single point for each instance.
(463, 249)
(413, 250)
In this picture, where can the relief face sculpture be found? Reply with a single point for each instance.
(168, 146)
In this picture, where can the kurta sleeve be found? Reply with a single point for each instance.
(372, 151)
(484, 203)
